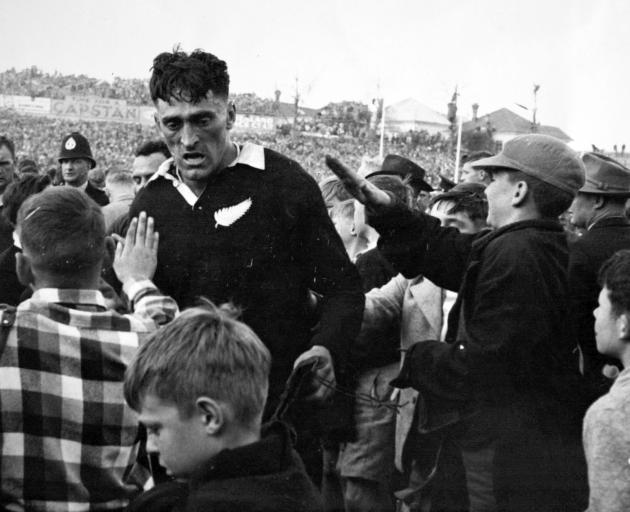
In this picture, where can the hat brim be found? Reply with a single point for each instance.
(590, 189)
(497, 162)
(89, 159)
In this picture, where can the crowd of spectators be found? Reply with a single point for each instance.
(113, 144)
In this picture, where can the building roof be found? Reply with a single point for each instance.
(506, 121)
(412, 110)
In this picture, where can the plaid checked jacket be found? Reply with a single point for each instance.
(67, 438)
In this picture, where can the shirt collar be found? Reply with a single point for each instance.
(248, 154)
(69, 296)
(80, 187)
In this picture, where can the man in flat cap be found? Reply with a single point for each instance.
(599, 209)
(76, 160)
(500, 391)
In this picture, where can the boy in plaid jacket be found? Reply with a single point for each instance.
(67, 439)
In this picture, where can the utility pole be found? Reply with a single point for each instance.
(535, 109)
(296, 102)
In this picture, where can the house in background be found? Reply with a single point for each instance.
(505, 125)
(412, 115)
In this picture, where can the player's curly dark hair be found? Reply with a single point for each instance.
(188, 77)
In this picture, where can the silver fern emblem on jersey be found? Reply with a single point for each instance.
(230, 214)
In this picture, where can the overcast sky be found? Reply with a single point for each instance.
(494, 50)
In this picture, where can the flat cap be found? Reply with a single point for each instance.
(540, 156)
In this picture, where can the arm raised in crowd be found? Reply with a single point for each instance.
(135, 263)
(413, 242)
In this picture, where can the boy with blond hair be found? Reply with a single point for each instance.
(200, 386)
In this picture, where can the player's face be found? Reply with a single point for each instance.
(197, 134)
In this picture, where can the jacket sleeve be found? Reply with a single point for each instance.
(149, 306)
(510, 339)
(415, 244)
(335, 278)
(383, 308)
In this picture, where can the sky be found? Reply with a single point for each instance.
(494, 51)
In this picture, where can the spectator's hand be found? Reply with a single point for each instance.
(324, 378)
(136, 255)
(360, 188)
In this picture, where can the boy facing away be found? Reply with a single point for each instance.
(200, 386)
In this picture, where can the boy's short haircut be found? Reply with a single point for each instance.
(206, 351)
(62, 230)
(333, 191)
(615, 276)
(119, 177)
(394, 184)
(550, 201)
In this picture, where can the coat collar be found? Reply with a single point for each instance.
(485, 237)
(617, 220)
(269, 455)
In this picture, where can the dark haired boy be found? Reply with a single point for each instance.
(606, 434)
(68, 441)
(242, 223)
(200, 386)
(501, 380)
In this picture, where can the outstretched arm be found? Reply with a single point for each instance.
(135, 263)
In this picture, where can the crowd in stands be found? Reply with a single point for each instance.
(37, 138)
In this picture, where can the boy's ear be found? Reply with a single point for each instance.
(623, 324)
(231, 115)
(521, 191)
(110, 252)
(23, 269)
(211, 413)
(599, 202)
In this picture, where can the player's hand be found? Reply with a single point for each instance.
(136, 255)
(324, 376)
(360, 188)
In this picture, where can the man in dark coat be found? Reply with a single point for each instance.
(599, 209)
(76, 160)
(245, 224)
(500, 382)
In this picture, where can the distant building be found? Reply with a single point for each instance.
(506, 125)
(410, 114)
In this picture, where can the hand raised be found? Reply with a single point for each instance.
(136, 256)
(360, 188)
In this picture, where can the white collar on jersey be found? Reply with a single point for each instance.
(249, 154)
